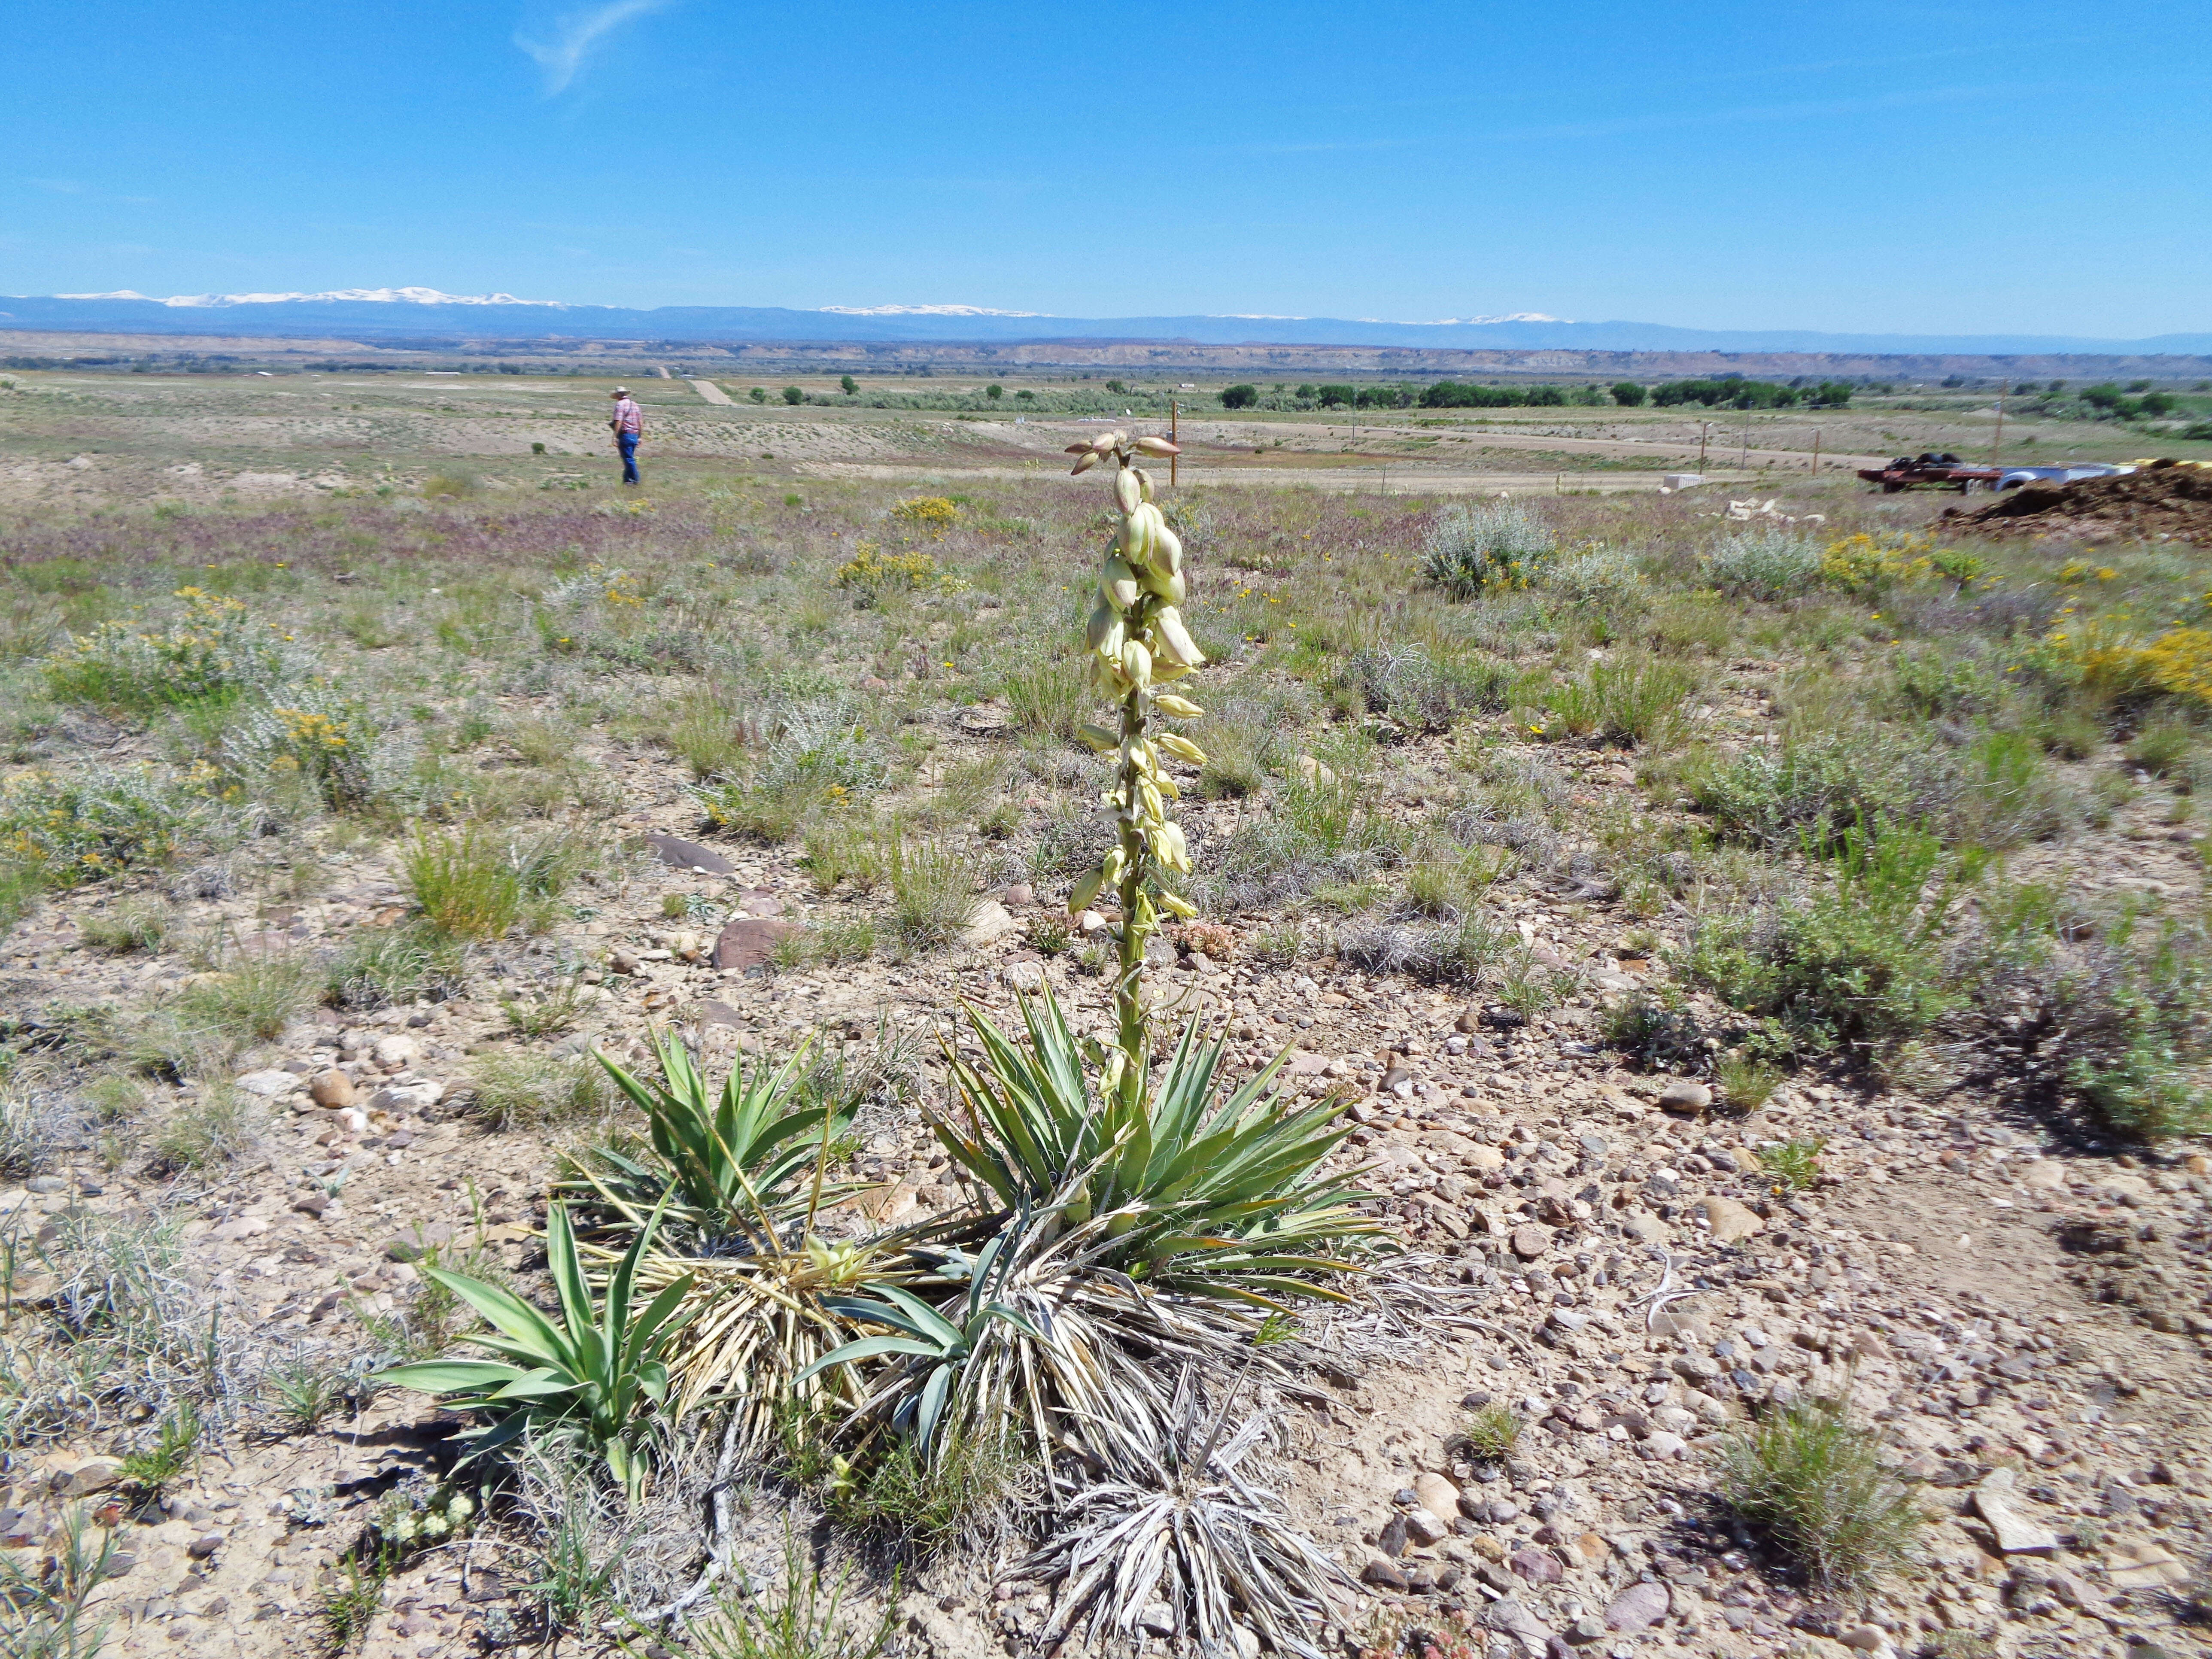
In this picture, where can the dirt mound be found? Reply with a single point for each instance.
(2167, 498)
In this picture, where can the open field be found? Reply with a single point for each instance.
(1759, 961)
(194, 438)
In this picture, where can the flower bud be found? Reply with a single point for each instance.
(1176, 639)
(1106, 629)
(1080, 895)
(1128, 491)
(1175, 905)
(1155, 446)
(1118, 582)
(1084, 465)
(1097, 739)
(1182, 747)
(1181, 707)
(1144, 482)
(1136, 662)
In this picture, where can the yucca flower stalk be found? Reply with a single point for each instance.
(1139, 644)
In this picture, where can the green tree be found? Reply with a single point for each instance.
(792, 394)
(994, 392)
(851, 386)
(758, 394)
(1628, 394)
(1239, 396)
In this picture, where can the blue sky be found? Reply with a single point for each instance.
(1968, 168)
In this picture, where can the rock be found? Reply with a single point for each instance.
(332, 1089)
(1731, 1222)
(1685, 1098)
(1314, 773)
(397, 1049)
(412, 1243)
(1384, 1573)
(2044, 1176)
(312, 1204)
(1644, 1227)
(407, 1097)
(2015, 1534)
(271, 1085)
(1637, 1607)
(95, 1475)
(1436, 1494)
(749, 941)
(1583, 1632)
(1661, 1445)
(1019, 894)
(2144, 1566)
(1537, 1566)
(1509, 1616)
(759, 902)
(205, 1545)
(992, 922)
(689, 854)
(1589, 1550)
(1391, 1540)
(1091, 924)
(1424, 1528)
(240, 1226)
(1027, 977)
(1488, 1160)
(622, 962)
(1865, 1638)
(1531, 1242)
(713, 1012)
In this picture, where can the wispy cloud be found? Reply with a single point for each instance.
(578, 35)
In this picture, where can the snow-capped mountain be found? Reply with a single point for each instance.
(429, 313)
(415, 296)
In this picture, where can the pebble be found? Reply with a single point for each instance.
(1436, 1494)
(1686, 1098)
(991, 923)
(1537, 1566)
(270, 1085)
(332, 1089)
(1637, 1607)
(397, 1049)
(1531, 1242)
(1731, 1222)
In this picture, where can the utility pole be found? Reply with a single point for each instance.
(1997, 443)
(1743, 461)
(1816, 452)
(1705, 428)
(1174, 428)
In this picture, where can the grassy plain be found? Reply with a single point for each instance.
(336, 712)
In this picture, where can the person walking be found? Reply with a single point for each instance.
(627, 426)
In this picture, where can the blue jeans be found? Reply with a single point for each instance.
(627, 442)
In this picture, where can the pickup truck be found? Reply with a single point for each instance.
(2014, 476)
(1944, 471)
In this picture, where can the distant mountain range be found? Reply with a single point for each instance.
(423, 313)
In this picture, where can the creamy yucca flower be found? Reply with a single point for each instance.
(1139, 645)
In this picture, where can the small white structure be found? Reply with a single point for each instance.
(1681, 480)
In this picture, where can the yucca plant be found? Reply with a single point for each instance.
(1196, 1535)
(922, 1333)
(588, 1375)
(733, 1163)
(1209, 1194)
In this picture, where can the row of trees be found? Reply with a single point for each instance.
(1730, 391)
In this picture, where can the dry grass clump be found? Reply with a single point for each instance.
(1813, 1485)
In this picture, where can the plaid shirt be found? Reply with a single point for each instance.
(628, 417)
